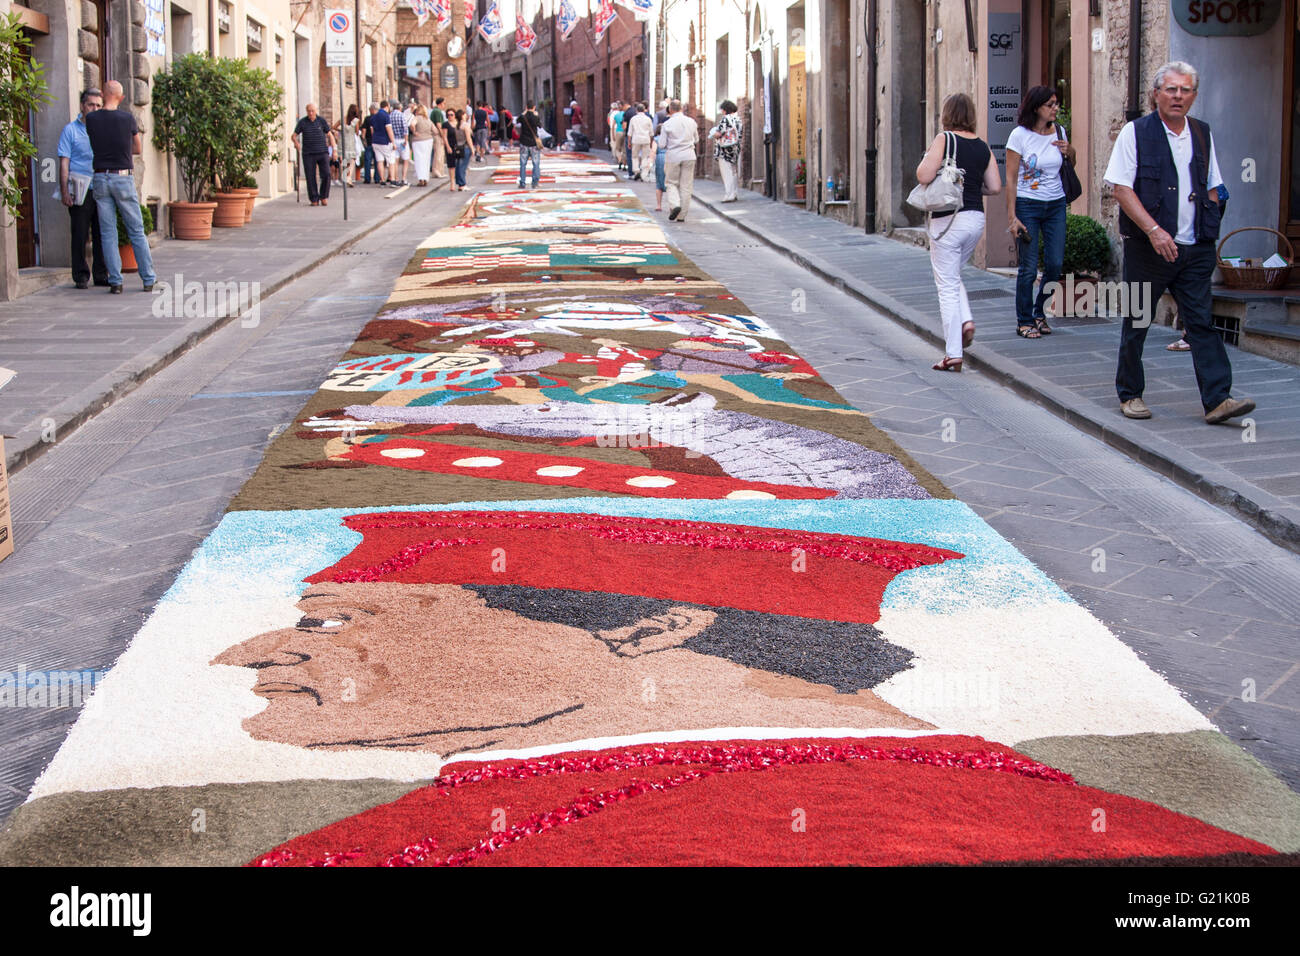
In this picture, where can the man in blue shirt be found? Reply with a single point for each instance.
(76, 162)
(381, 140)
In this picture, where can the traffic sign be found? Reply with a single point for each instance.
(340, 38)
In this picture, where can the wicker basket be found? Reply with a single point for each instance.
(1254, 275)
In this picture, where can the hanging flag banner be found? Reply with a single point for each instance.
(641, 9)
(489, 27)
(469, 15)
(603, 18)
(442, 14)
(421, 9)
(525, 38)
(568, 18)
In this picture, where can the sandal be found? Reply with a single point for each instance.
(1179, 346)
(967, 334)
(948, 365)
(1028, 332)
(1043, 327)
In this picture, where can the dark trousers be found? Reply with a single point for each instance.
(368, 164)
(317, 165)
(85, 220)
(1188, 280)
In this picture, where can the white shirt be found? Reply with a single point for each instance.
(680, 137)
(1122, 171)
(641, 128)
(1040, 164)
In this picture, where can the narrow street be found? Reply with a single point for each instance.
(113, 516)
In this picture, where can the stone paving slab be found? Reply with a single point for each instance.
(1071, 372)
(78, 351)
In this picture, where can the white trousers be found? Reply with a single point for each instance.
(422, 155)
(643, 160)
(680, 180)
(730, 178)
(947, 256)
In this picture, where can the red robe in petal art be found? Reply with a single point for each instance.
(774, 570)
(876, 801)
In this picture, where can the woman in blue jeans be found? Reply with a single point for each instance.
(466, 150)
(1036, 203)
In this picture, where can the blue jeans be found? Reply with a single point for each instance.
(116, 194)
(1047, 218)
(525, 154)
(368, 164)
(660, 175)
(462, 166)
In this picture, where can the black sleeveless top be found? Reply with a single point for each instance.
(973, 156)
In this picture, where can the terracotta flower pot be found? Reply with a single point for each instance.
(251, 192)
(800, 190)
(127, 254)
(192, 220)
(231, 208)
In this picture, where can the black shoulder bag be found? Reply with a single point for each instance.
(1069, 178)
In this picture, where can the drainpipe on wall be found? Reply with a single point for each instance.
(869, 213)
(1134, 59)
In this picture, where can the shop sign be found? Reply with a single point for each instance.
(1004, 46)
(1226, 18)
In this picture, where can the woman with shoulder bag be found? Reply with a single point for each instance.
(1037, 151)
(954, 235)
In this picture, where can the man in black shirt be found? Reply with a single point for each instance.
(530, 146)
(481, 132)
(626, 158)
(114, 139)
(317, 138)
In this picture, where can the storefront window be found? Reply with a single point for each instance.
(415, 73)
(1058, 50)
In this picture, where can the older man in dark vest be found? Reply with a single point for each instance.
(1166, 179)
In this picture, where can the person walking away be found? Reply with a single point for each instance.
(114, 139)
(661, 176)
(616, 132)
(345, 134)
(480, 132)
(953, 236)
(530, 146)
(680, 136)
(397, 120)
(315, 151)
(421, 137)
(1036, 150)
(661, 116)
(641, 133)
(506, 128)
(76, 173)
(368, 166)
(464, 148)
(625, 157)
(381, 139)
(726, 150)
(1165, 175)
(438, 117)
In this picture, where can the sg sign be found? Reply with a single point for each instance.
(1226, 18)
(1001, 44)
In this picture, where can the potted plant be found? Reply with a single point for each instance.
(189, 111)
(800, 180)
(124, 248)
(248, 186)
(22, 92)
(1086, 259)
(247, 139)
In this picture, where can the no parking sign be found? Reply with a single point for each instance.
(340, 41)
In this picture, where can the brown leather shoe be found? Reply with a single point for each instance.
(1229, 408)
(1135, 408)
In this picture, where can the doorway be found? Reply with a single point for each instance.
(1289, 194)
(28, 225)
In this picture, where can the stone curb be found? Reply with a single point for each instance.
(72, 413)
(1215, 484)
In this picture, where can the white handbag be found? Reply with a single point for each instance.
(944, 193)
